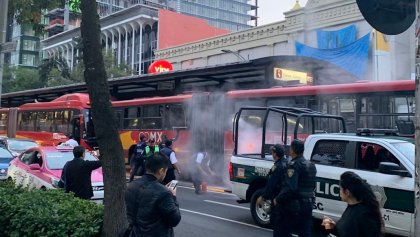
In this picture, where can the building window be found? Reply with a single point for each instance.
(28, 60)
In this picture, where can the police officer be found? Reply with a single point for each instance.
(168, 152)
(137, 160)
(274, 183)
(151, 148)
(297, 196)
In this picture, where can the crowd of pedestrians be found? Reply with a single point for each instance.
(152, 208)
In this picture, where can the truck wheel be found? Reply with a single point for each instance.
(260, 213)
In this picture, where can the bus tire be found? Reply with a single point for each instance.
(259, 212)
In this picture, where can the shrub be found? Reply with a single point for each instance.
(32, 212)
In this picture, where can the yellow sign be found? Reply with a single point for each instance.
(289, 75)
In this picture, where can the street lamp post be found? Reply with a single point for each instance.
(240, 57)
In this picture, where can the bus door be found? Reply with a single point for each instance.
(76, 128)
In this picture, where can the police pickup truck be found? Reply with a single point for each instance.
(386, 162)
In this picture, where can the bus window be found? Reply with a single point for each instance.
(249, 132)
(175, 116)
(26, 121)
(347, 111)
(274, 130)
(152, 117)
(132, 118)
(61, 121)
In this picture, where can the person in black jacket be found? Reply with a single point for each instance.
(273, 186)
(77, 172)
(362, 217)
(137, 159)
(297, 195)
(152, 209)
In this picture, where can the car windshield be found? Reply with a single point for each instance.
(21, 145)
(56, 160)
(406, 148)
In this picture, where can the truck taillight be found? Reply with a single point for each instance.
(230, 171)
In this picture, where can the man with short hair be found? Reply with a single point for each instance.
(152, 209)
(297, 194)
(172, 166)
(77, 172)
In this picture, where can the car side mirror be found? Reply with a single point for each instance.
(393, 169)
(34, 167)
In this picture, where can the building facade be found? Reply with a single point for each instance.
(232, 15)
(388, 57)
(26, 45)
(130, 35)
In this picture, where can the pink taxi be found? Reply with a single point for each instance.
(41, 167)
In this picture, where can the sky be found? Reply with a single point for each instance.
(272, 10)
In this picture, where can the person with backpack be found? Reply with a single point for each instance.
(137, 160)
(297, 194)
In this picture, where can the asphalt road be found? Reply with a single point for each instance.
(215, 214)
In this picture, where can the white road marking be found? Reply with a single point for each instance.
(224, 219)
(225, 204)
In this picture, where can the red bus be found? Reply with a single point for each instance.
(50, 123)
(362, 104)
(206, 118)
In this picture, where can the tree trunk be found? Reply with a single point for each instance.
(115, 219)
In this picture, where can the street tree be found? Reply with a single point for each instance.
(29, 11)
(115, 219)
(20, 78)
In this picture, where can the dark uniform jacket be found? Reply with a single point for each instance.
(275, 179)
(152, 210)
(299, 181)
(139, 152)
(77, 174)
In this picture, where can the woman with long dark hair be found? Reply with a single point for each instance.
(362, 216)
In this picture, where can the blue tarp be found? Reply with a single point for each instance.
(337, 38)
(353, 57)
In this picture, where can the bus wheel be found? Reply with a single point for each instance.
(260, 212)
(43, 188)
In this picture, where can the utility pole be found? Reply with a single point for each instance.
(3, 27)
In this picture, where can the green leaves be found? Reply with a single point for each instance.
(31, 212)
(30, 11)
